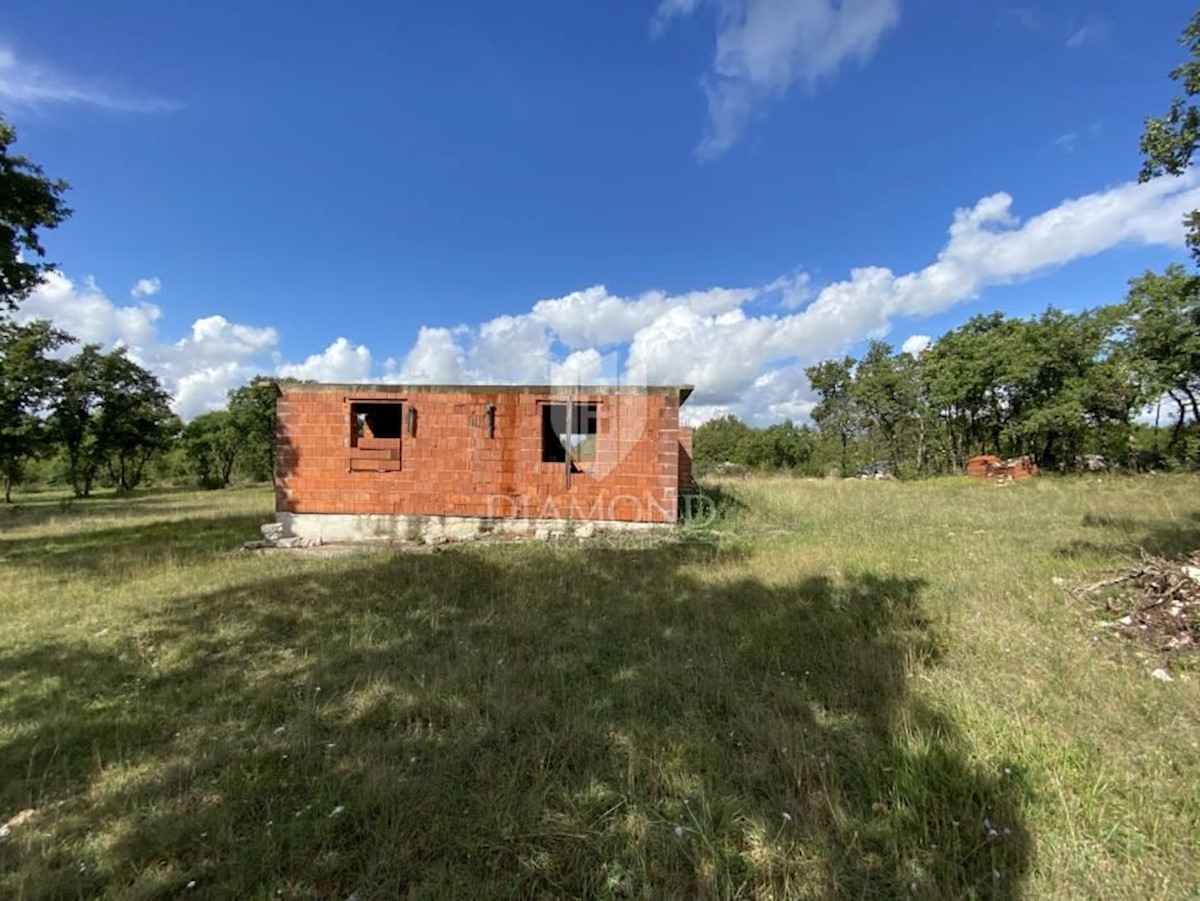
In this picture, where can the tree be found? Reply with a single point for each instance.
(835, 413)
(211, 443)
(1163, 338)
(29, 202)
(28, 380)
(1169, 141)
(885, 397)
(776, 447)
(252, 417)
(110, 414)
(716, 441)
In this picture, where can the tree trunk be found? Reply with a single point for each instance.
(1191, 396)
(7, 490)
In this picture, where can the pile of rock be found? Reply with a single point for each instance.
(274, 536)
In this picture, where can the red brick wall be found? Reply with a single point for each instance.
(686, 481)
(451, 467)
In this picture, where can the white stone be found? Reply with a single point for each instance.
(272, 531)
(1161, 675)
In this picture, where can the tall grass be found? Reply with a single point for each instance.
(839, 690)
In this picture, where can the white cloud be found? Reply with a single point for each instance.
(766, 46)
(754, 363)
(339, 362)
(1067, 142)
(198, 370)
(794, 290)
(741, 355)
(87, 313)
(593, 316)
(30, 85)
(146, 287)
(916, 344)
(1093, 32)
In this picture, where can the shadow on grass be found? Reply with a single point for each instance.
(505, 722)
(37, 509)
(95, 551)
(1127, 536)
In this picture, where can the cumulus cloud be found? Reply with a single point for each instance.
(764, 47)
(146, 287)
(85, 311)
(916, 344)
(754, 363)
(743, 353)
(341, 361)
(26, 84)
(198, 370)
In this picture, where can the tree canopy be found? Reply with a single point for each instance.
(1169, 141)
(29, 204)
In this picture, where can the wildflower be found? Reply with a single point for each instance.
(336, 811)
(279, 730)
(191, 884)
(679, 832)
(996, 874)
(787, 817)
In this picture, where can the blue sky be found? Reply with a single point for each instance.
(714, 191)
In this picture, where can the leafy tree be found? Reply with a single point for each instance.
(1163, 337)
(836, 413)
(111, 415)
(885, 397)
(1169, 141)
(252, 417)
(776, 447)
(28, 380)
(29, 202)
(212, 442)
(717, 440)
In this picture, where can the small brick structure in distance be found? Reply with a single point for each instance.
(436, 462)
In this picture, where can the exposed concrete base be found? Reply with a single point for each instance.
(328, 528)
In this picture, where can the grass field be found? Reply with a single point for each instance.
(845, 689)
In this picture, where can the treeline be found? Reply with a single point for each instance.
(100, 419)
(1119, 384)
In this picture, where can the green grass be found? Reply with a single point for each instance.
(824, 696)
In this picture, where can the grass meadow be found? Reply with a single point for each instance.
(839, 690)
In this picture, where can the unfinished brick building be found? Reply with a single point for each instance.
(409, 461)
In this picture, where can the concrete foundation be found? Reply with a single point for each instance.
(326, 528)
